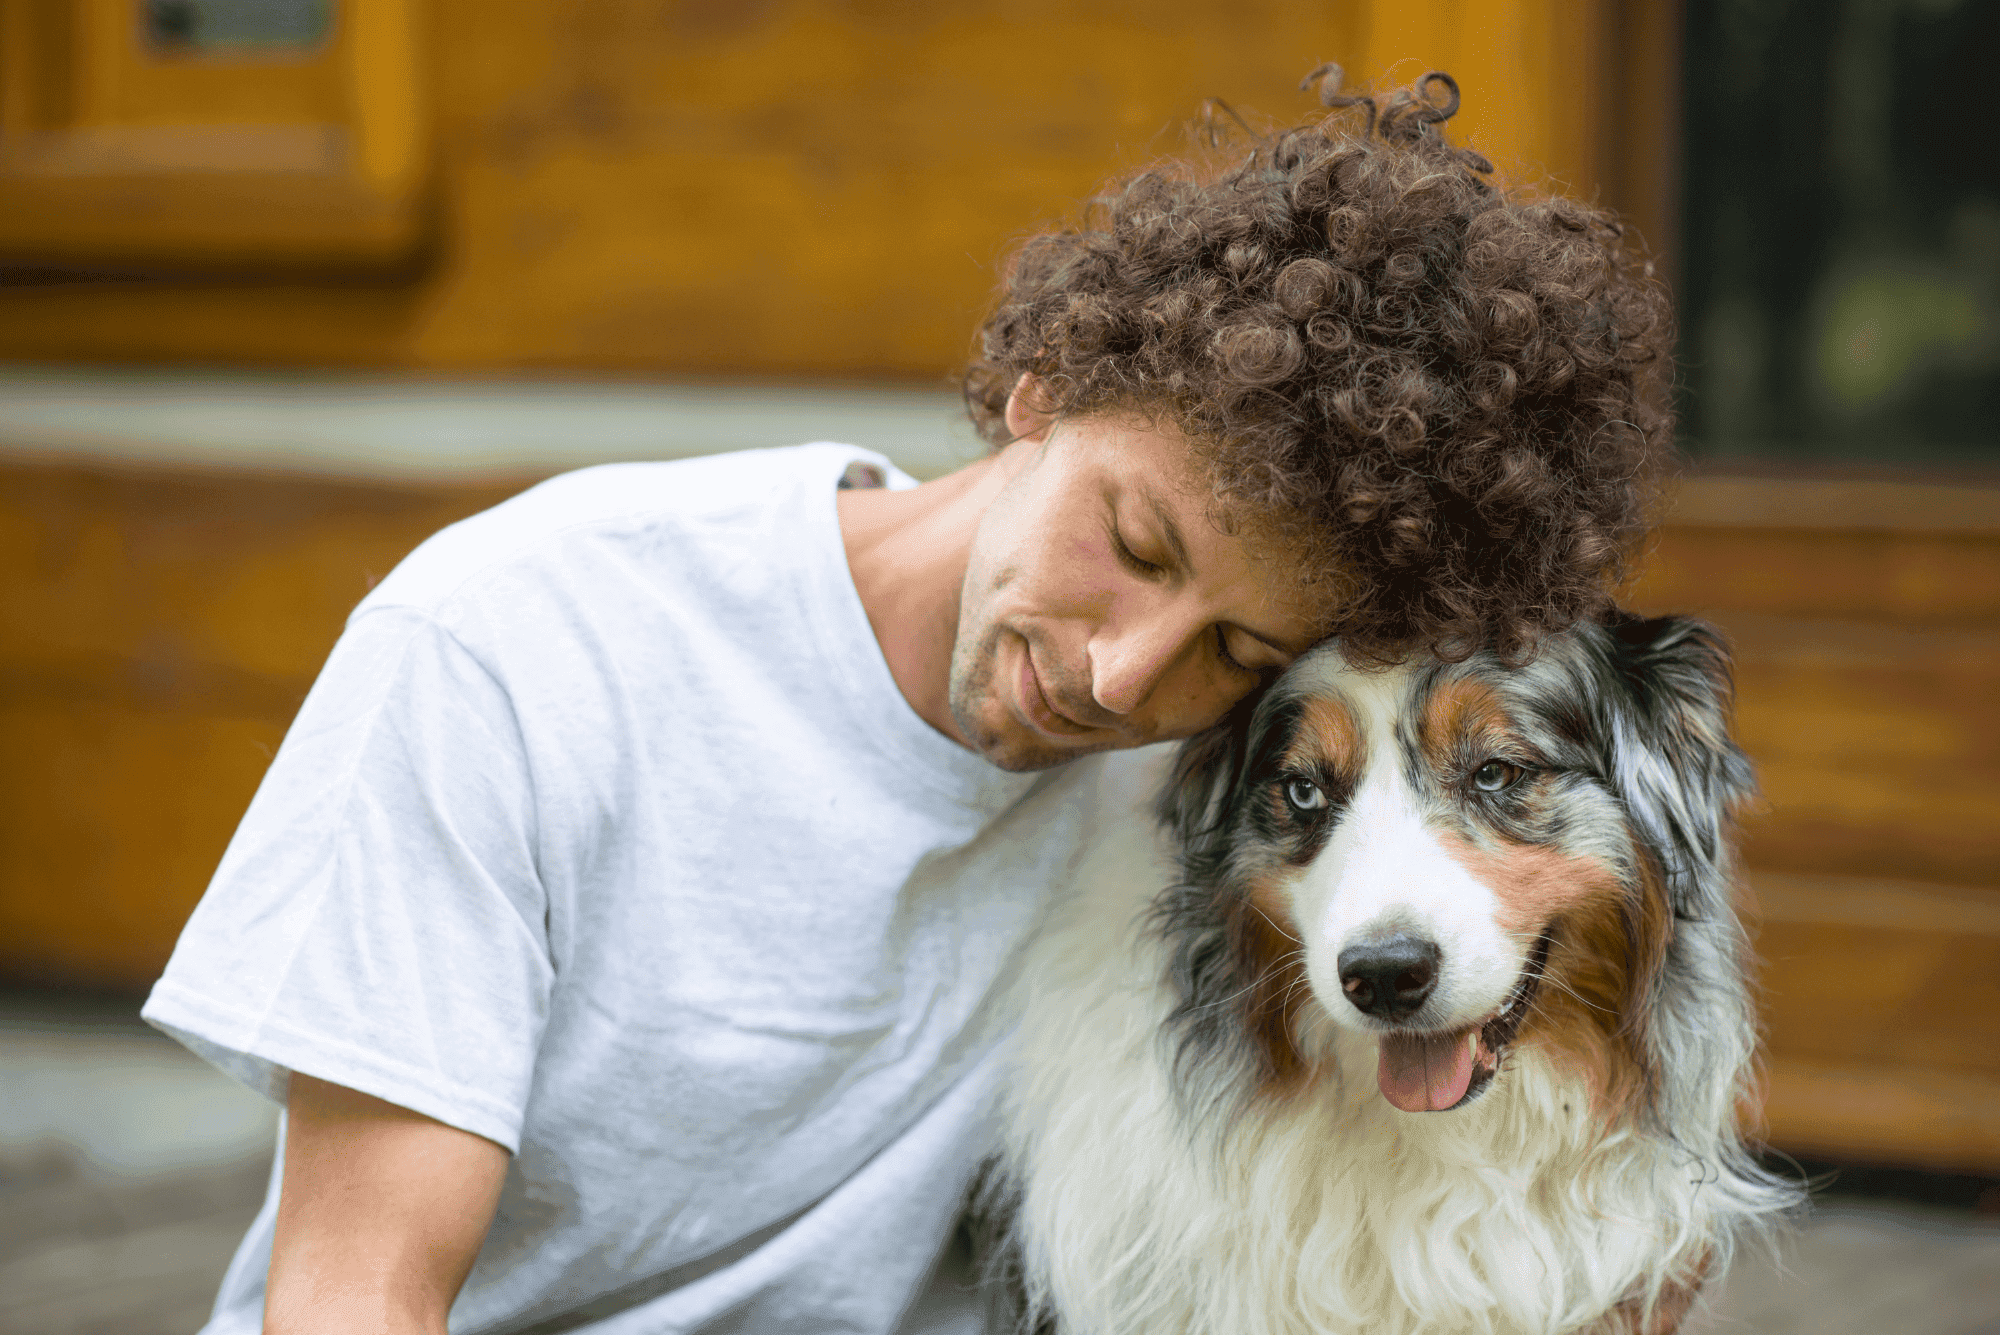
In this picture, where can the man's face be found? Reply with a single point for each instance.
(1103, 608)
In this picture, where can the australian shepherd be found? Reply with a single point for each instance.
(1421, 1007)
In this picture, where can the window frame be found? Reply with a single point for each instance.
(111, 153)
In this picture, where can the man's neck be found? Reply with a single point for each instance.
(907, 551)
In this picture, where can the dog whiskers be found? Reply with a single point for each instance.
(1274, 967)
(1545, 978)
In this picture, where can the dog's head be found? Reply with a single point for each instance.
(1458, 858)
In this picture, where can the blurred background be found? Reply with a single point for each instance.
(286, 285)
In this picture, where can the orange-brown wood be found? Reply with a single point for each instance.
(1537, 75)
(118, 80)
(1865, 618)
(1888, 1113)
(1883, 576)
(1639, 146)
(158, 628)
(1881, 972)
(775, 187)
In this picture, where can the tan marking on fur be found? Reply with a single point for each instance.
(1268, 950)
(1581, 1015)
(1263, 938)
(1327, 735)
(1592, 1009)
(1465, 707)
(1534, 885)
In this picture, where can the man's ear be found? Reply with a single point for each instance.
(1028, 413)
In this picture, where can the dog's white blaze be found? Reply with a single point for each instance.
(1384, 870)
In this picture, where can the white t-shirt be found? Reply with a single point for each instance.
(606, 834)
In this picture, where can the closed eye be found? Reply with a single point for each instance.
(1130, 559)
(1222, 651)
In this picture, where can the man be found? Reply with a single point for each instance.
(618, 920)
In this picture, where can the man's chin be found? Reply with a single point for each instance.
(1030, 760)
(1009, 744)
(1020, 751)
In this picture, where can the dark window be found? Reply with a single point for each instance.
(221, 25)
(1840, 279)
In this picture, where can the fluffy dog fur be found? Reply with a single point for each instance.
(1196, 1137)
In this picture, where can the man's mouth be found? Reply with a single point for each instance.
(1421, 1072)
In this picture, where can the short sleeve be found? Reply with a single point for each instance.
(378, 920)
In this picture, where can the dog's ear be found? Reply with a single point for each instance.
(1194, 804)
(1672, 758)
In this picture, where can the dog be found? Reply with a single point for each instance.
(1416, 1003)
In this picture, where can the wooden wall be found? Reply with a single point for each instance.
(1866, 624)
(158, 628)
(815, 187)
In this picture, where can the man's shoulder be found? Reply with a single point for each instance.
(673, 508)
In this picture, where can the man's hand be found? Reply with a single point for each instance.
(382, 1213)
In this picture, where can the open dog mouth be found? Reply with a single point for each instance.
(1438, 1072)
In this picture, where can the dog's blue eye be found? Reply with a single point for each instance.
(1495, 775)
(1304, 794)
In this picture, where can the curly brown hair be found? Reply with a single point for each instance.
(1450, 400)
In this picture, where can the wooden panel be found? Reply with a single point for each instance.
(1639, 150)
(1865, 618)
(158, 629)
(1878, 746)
(800, 186)
(1884, 1114)
(1866, 622)
(1533, 73)
(127, 83)
(114, 818)
(1923, 578)
(169, 567)
(1862, 972)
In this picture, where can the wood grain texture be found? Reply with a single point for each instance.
(1885, 1113)
(1881, 972)
(1865, 619)
(1878, 576)
(158, 629)
(1878, 747)
(791, 186)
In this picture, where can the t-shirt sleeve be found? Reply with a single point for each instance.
(378, 920)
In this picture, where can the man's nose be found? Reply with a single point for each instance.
(1127, 664)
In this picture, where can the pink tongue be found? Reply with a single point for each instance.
(1425, 1072)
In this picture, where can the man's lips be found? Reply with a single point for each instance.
(1040, 715)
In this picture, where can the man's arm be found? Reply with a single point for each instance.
(382, 1213)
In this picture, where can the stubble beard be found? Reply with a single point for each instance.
(983, 720)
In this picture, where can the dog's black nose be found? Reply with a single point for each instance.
(1390, 977)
